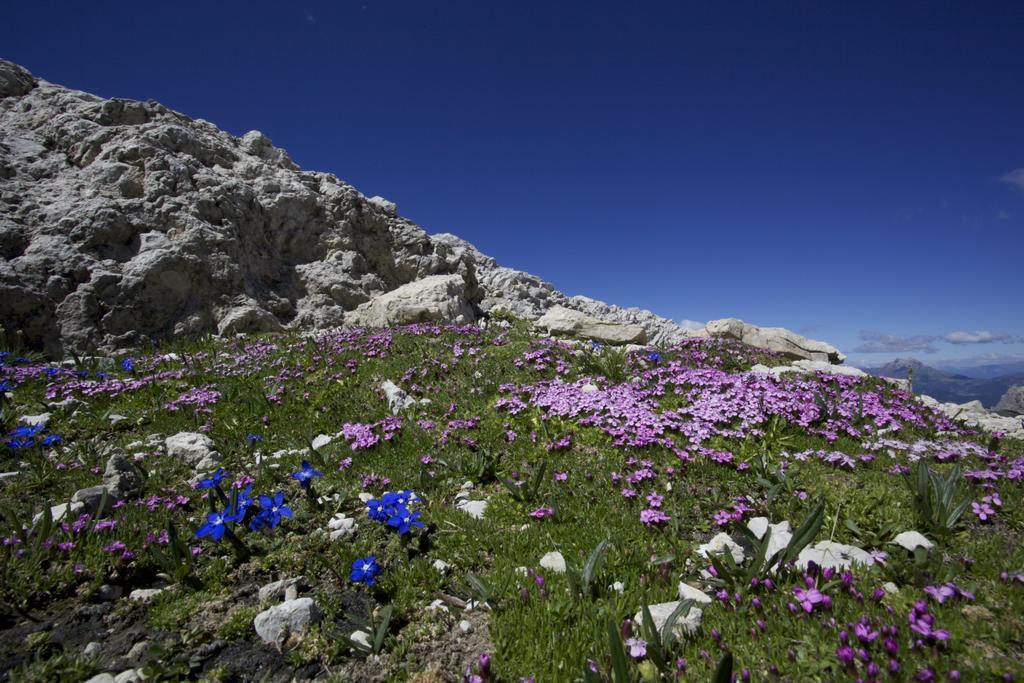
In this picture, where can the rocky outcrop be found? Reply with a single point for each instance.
(777, 339)
(562, 321)
(1012, 402)
(438, 298)
(122, 222)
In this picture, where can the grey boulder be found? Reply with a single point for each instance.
(562, 321)
(276, 624)
(776, 339)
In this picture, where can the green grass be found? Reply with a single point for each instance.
(541, 631)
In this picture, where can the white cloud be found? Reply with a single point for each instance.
(883, 342)
(1014, 178)
(977, 337)
(691, 325)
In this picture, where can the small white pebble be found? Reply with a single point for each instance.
(465, 626)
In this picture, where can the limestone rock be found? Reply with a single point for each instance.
(688, 592)
(911, 540)
(834, 555)
(294, 616)
(398, 399)
(195, 449)
(559, 320)
(720, 544)
(438, 298)
(776, 339)
(554, 562)
(1012, 402)
(14, 80)
(685, 625)
(121, 477)
(276, 590)
(782, 533)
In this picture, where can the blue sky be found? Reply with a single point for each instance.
(854, 171)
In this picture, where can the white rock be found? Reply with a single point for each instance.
(442, 566)
(719, 544)
(776, 339)
(890, 587)
(144, 594)
(589, 388)
(473, 508)
(437, 606)
(782, 534)
(688, 592)
(275, 624)
(833, 555)
(101, 678)
(366, 497)
(92, 649)
(435, 298)
(553, 561)
(361, 638)
(559, 320)
(912, 540)
(192, 447)
(129, 676)
(275, 590)
(685, 625)
(321, 440)
(465, 626)
(397, 398)
(39, 420)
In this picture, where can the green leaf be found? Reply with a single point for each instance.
(382, 629)
(593, 564)
(668, 631)
(805, 534)
(620, 668)
(723, 674)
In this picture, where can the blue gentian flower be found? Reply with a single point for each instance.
(51, 439)
(406, 498)
(654, 358)
(215, 525)
(102, 375)
(127, 365)
(271, 511)
(254, 437)
(402, 520)
(20, 443)
(215, 480)
(377, 510)
(365, 570)
(305, 475)
(51, 372)
(27, 431)
(5, 385)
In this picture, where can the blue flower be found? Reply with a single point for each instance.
(27, 431)
(365, 570)
(51, 439)
(51, 372)
(405, 498)
(215, 525)
(654, 358)
(127, 365)
(215, 480)
(102, 375)
(377, 510)
(244, 501)
(305, 475)
(253, 438)
(402, 519)
(20, 443)
(5, 386)
(271, 512)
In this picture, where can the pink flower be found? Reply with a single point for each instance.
(652, 516)
(542, 512)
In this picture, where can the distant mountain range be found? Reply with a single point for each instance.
(985, 383)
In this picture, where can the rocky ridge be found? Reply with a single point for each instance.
(124, 222)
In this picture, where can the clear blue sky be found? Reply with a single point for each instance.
(842, 169)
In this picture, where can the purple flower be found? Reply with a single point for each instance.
(808, 598)
(637, 648)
